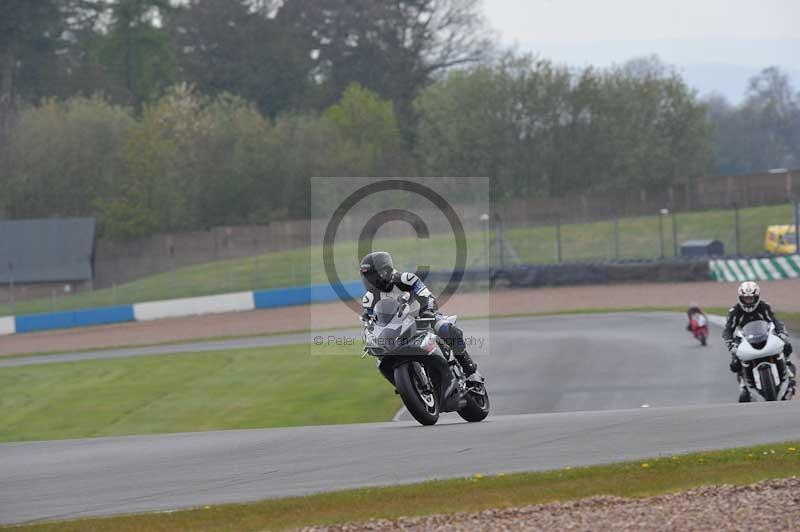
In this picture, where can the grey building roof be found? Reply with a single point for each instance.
(47, 250)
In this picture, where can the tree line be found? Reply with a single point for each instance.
(761, 133)
(157, 116)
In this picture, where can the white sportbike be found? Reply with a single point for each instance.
(765, 371)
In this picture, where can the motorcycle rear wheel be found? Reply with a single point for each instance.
(422, 405)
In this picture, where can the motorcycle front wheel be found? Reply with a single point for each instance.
(477, 407)
(419, 396)
(769, 390)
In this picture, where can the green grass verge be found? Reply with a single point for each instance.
(632, 479)
(639, 238)
(253, 388)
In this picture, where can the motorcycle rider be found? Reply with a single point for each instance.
(694, 308)
(382, 281)
(752, 308)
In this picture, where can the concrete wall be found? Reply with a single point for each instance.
(73, 318)
(238, 302)
(550, 275)
(7, 325)
(193, 306)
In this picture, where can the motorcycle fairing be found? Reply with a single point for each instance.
(747, 352)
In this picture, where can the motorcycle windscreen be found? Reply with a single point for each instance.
(756, 333)
(385, 311)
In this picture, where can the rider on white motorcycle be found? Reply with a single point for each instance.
(382, 281)
(752, 308)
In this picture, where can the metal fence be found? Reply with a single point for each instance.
(660, 235)
(561, 237)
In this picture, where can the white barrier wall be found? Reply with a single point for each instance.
(192, 306)
(7, 325)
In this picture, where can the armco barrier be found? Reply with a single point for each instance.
(192, 306)
(73, 318)
(7, 325)
(755, 269)
(659, 272)
(602, 273)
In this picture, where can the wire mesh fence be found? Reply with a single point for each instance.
(490, 243)
(742, 232)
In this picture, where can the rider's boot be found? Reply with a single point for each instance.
(744, 396)
(467, 364)
(792, 377)
(744, 393)
(454, 338)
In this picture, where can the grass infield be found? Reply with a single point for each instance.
(277, 386)
(477, 492)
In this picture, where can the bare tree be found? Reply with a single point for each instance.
(393, 47)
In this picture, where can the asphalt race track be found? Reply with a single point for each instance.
(659, 392)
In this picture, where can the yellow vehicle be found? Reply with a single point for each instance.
(781, 239)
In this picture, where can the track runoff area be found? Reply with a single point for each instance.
(566, 391)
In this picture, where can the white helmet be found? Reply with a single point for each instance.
(749, 296)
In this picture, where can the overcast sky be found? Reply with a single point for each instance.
(718, 44)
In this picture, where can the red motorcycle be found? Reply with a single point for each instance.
(698, 324)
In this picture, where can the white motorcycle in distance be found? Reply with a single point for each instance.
(764, 369)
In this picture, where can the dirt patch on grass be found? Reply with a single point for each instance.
(769, 505)
(783, 295)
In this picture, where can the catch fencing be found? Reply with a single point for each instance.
(586, 229)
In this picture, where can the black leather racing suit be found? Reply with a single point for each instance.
(738, 318)
(409, 282)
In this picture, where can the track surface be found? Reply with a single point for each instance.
(615, 363)
(552, 364)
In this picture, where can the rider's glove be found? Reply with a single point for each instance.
(430, 304)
